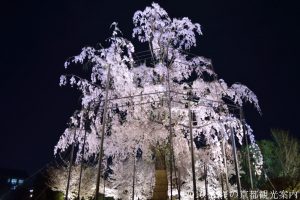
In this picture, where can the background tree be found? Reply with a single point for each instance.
(281, 163)
(287, 150)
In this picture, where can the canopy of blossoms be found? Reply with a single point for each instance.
(145, 97)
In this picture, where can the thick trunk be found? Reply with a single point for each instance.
(161, 181)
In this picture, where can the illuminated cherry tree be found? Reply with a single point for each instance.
(142, 89)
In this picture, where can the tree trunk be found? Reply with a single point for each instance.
(161, 181)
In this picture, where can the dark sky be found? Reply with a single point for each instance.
(252, 42)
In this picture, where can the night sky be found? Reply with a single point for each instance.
(252, 42)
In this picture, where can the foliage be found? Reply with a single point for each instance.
(271, 162)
